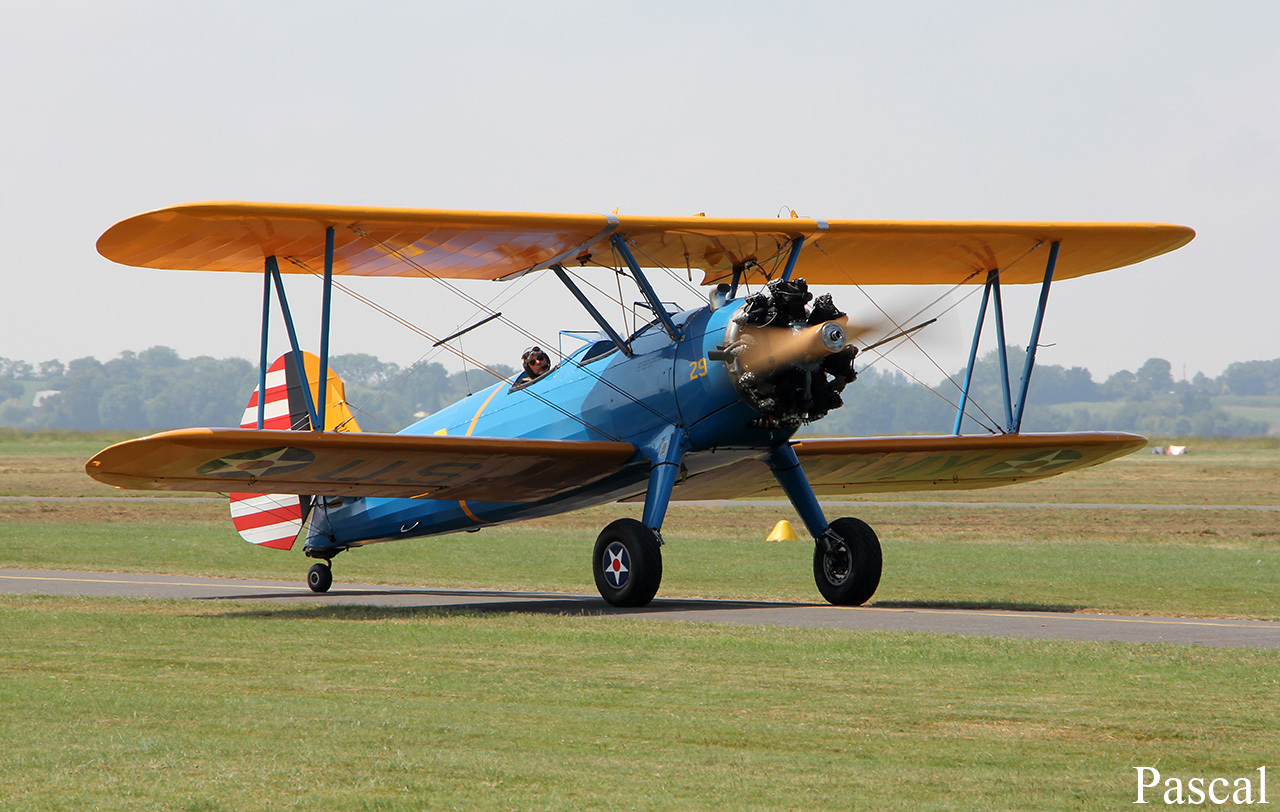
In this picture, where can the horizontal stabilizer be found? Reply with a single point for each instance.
(487, 469)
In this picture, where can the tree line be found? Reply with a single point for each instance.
(1148, 400)
(157, 389)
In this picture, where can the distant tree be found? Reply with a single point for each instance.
(1155, 377)
(363, 369)
(1253, 377)
(886, 403)
(1119, 385)
(15, 370)
(160, 358)
(80, 389)
(121, 407)
(50, 369)
(1209, 386)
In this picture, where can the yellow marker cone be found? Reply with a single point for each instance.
(782, 532)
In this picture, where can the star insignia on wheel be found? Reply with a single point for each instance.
(617, 565)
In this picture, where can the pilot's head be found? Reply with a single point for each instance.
(536, 362)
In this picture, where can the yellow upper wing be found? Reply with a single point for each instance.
(233, 236)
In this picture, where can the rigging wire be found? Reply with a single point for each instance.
(530, 336)
(435, 350)
(427, 335)
(989, 428)
(911, 338)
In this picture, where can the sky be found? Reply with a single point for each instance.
(1133, 111)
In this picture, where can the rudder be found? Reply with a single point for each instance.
(276, 519)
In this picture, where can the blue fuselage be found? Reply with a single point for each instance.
(666, 398)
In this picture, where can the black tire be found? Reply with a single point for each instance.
(848, 574)
(627, 563)
(320, 578)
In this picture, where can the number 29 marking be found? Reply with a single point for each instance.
(697, 369)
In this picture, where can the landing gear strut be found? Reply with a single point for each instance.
(846, 562)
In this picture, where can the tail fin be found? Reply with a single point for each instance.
(275, 519)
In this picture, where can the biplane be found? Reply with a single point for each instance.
(696, 404)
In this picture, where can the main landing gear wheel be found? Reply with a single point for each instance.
(320, 577)
(627, 563)
(846, 562)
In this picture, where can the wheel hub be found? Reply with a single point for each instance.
(837, 563)
(616, 563)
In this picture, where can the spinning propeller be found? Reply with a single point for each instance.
(789, 360)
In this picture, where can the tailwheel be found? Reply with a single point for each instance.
(627, 563)
(846, 562)
(320, 577)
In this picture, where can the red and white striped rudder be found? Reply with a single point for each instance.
(276, 519)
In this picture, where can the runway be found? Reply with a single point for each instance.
(966, 621)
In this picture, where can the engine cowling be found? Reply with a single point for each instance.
(789, 360)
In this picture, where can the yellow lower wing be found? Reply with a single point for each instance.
(884, 464)
(483, 469)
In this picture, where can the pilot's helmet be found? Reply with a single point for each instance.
(532, 355)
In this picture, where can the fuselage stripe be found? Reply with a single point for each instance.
(480, 411)
(473, 517)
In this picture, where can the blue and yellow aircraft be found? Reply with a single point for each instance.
(699, 404)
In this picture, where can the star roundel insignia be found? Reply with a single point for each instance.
(1039, 462)
(617, 565)
(258, 463)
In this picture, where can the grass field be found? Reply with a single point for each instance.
(131, 704)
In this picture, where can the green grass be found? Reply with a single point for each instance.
(1195, 563)
(130, 704)
(57, 442)
(1179, 562)
(118, 704)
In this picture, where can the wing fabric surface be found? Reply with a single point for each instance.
(885, 464)
(234, 236)
(357, 464)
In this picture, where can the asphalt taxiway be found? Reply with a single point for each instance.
(991, 622)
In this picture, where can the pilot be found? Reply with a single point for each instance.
(536, 363)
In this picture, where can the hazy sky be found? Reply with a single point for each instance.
(1164, 111)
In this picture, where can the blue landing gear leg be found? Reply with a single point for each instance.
(628, 556)
(846, 554)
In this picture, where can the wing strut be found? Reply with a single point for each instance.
(796, 245)
(324, 325)
(271, 275)
(1035, 337)
(273, 272)
(649, 294)
(1012, 409)
(560, 273)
